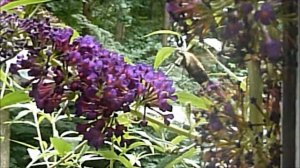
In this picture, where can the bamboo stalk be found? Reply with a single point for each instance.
(255, 104)
(4, 139)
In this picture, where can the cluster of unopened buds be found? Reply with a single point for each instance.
(99, 80)
(236, 25)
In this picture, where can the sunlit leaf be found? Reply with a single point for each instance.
(75, 35)
(162, 54)
(199, 102)
(33, 153)
(112, 155)
(163, 32)
(15, 4)
(180, 158)
(13, 98)
(60, 145)
(178, 139)
(3, 77)
(128, 60)
(124, 119)
(125, 162)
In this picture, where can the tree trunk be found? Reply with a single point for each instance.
(166, 26)
(289, 87)
(87, 13)
(120, 31)
(4, 139)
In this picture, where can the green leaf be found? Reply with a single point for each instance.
(61, 146)
(125, 162)
(14, 4)
(107, 154)
(113, 156)
(180, 158)
(24, 144)
(75, 35)
(13, 98)
(134, 146)
(163, 32)
(178, 139)
(162, 54)
(199, 102)
(128, 60)
(167, 159)
(3, 77)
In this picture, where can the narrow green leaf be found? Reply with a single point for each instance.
(3, 77)
(178, 139)
(125, 162)
(134, 146)
(13, 98)
(112, 155)
(14, 4)
(20, 122)
(180, 158)
(162, 54)
(107, 154)
(61, 146)
(199, 102)
(166, 160)
(75, 35)
(163, 32)
(24, 144)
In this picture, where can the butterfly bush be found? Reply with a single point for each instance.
(239, 25)
(102, 82)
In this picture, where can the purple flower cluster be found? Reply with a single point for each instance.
(4, 2)
(10, 41)
(101, 80)
(239, 24)
(233, 27)
(181, 9)
(265, 15)
(271, 48)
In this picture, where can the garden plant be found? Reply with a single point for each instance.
(133, 83)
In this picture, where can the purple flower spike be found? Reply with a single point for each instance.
(214, 123)
(95, 137)
(228, 109)
(246, 8)
(232, 29)
(47, 96)
(100, 80)
(272, 49)
(266, 14)
(61, 38)
(212, 85)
